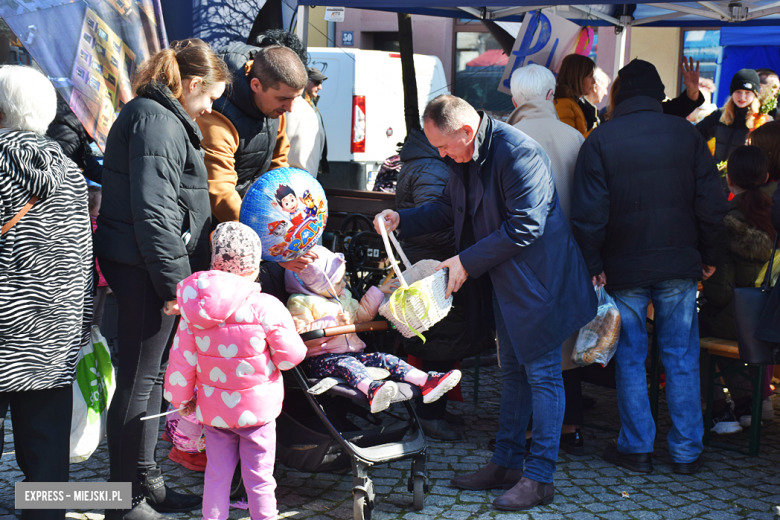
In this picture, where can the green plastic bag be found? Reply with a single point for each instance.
(92, 392)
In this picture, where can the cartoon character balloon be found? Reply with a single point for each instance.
(287, 208)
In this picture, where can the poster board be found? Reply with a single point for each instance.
(545, 39)
(89, 49)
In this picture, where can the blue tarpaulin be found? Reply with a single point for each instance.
(690, 13)
(744, 36)
(746, 48)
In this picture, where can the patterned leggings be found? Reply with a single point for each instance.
(352, 366)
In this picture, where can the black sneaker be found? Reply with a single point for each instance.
(572, 443)
(725, 422)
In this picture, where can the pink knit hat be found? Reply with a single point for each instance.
(236, 248)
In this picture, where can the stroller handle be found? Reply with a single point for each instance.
(345, 329)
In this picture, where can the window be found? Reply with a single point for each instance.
(82, 73)
(88, 38)
(91, 23)
(85, 56)
(97, 67)
(103, 34)
(479, 65)
(114, 62)
(101, 50)
(128, 66)
(117, 47)
(594, 49)
(386, 41)
(703, 46)
(94, 83)
(111, 79)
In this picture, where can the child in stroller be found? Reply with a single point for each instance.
(231, 344)
(319, 300)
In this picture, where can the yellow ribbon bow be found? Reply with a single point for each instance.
(403, 294)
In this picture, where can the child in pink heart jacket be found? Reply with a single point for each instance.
(231, 343)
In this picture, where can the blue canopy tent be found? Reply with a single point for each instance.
(746, 47)
(756, 13)
(651, 14)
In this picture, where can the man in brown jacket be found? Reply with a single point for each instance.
(244, 136)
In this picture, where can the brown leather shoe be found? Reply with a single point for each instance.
(491, 476)
(526, 494)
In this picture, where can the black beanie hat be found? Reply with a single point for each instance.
(745, 79)
(640, 78)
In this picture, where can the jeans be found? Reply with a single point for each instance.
(572, 385)
(144, 333)
(534, 386)
(255, 447)
(677, 327)
(41, 425)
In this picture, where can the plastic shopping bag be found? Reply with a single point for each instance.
(597, 341)
(775, 272)
(92, 393)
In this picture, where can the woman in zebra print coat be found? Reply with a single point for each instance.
(45, 280)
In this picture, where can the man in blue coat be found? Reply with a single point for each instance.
(501, 202)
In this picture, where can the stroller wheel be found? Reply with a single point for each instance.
(419, 492)
(361, 505)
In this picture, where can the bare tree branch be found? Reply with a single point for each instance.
(226, 21)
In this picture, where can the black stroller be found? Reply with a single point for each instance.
(329, 441)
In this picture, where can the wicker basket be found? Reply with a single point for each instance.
(410, 316)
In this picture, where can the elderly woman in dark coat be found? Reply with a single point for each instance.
(463, 333)
(45, 279)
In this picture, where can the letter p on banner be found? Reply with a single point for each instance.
(544, 39)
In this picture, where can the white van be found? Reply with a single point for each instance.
(362, 106)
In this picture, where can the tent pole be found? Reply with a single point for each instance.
(620, 50)
(408, 73)
(302, 25)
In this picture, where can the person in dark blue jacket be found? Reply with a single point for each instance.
(647, 212)
(508, 223)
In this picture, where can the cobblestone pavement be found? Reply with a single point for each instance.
(732, 486)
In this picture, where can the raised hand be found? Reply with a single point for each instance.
(690, 77)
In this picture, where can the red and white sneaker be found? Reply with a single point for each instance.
(380, 395)
(439, 384)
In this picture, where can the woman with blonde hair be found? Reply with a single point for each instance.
(153, 232)
(575, 79)
(731, 125)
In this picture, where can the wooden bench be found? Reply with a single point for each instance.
(720, 347)
(727, 351)
(346, 202)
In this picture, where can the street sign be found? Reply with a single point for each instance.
(347, 38)
(334, 14)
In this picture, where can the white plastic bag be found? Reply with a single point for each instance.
(92, 393)
(598, 340)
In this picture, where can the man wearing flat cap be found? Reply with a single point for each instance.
(308, 148)
(311, 95)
